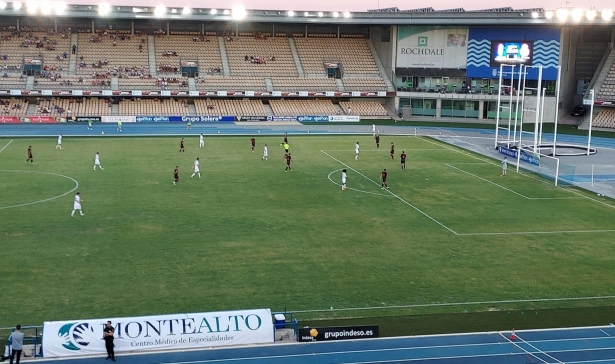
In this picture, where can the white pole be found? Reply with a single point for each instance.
(517, 104)
(559, 72)
(497, 113)
(556, 171)
(536, 119)
(542, 114)
(591, 120)
(512, 82)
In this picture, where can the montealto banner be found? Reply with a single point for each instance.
(39, 119)
(9, 119)
(164, 332)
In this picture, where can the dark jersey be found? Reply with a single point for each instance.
(109, 330)
(403, 157)
(392, 149)
(285, 138)
(377, 138)
(176, 173)
(253, 141)
(29, 152)
(383, 175)
(181, 144)
(288, 158)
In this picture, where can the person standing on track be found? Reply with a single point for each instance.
(119, 125)
(17, 344)
(108, 332)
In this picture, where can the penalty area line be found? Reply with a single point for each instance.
(6, 145)
(393, 194)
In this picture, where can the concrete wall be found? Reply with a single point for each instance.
(386, 50)
(567, 59)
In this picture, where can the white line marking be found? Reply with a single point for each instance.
(607, 334)
(520, 348)
(486, 180)
(7, 144)
(471, 303)
(384, 150)
(47, 199)
(540, 351)
(354, 189)
(394, 195)
(540, 232)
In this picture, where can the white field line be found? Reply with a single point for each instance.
(394, 195)
(509, 190)
(47, 199)
(385, 150)
(471, 303)
(7, 144)
(354, 189)
(522, 349)
(538, 350)
(539, 232)
(523, 174)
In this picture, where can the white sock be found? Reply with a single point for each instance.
(192, 175)
(94, 167)
(72, 213)
(199, 174)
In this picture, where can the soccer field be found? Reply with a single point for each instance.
(248, 235)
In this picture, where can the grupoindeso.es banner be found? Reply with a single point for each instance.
(167, 332)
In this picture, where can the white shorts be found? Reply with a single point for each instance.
(344, 181)
(76, 206)
(197, 170)
(265, 154)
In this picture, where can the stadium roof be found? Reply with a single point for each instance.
(388, 16)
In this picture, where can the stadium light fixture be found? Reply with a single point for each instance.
(160, 10)
(239, 12)
(346, 14)
(46, 7)
(320, 14)
(576, 15)
(213, 11)
(17, 5)
(290, 13)
(104, 9)
(562, 14)
(173, 11)
(32, 7)
(226, 12)
(549, 15)
(60, 7)
(2, 5)
(607, 14)
(306, 14)
(535, 15)
(186, 10)
(590, 14)
(336, 14)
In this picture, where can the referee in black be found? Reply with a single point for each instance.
(108, 332)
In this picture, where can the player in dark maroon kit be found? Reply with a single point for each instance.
(392, 153)
(288, 159)
(30, 158)
(253, 142)
(377, 141)
(285, 138)
(403, 159)
(383, 178)
(176, 175)
(181, 146)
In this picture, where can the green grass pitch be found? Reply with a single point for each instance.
(248, 235)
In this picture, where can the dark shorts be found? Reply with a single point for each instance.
(403, 161)
(176, 177)
(286, 150)
(384, 180)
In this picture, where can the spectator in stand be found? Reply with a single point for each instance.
(17, 344)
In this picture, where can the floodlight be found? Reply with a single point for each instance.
(173, 11)
(607, 14)
(576, 14)
(336, 14)
(239, 12)
(290, 13)
(226, 12)
(306, 14)
(213, 11)
(320, 14)
(17, 5)
(60, 7)
(562, 14)
(535, 15)
(32, 7)
(549, 15)
(104, 9)
(590, 14)
(346, 14)
(186, 10)
(2, 5)
(46, 7)
(160, 10)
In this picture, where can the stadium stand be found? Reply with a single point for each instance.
(8, 81)
(170, 50)
(304, 84)
(366, 108)
(72, 107)
(364, 84)
(113, 53)
(14, 107)
(218, 83)
(49, 47)
(260, 56)
(242, 107)
(352, 53)
(153, 83)
(607, 90)
(605, 119)
(153, 107)
(55, 81)
(303, 107)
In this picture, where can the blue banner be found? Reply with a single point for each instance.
(185, 119)
(313, 119)
(527, 158)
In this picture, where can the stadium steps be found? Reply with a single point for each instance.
(151, 53)
(268, 109)
(340, 85)
(115, 83)
(339, 109)
(191, 109)
(293, 50)
(191, 84)
(269, 84)
(604, 71)
(72, 63)
(29, 82)
(31, 109)
(383, 72)
(115, 109)
(224, 56)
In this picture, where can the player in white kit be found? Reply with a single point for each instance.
(265, 153)
(197, 170)
(374, 129)
(356, 151)
(344, 179)
(504, 166)
(97, 161)
(77, 205)
(59, 146)
(201, 141)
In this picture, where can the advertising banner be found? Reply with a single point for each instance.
(164, 332)
(115, 119)
(525, 157)
(313, 119)
(345, 118)
(432, 47)
(39, 119)
(281, 118)
(185, 119)
(86, 119)
(338, 333)
(529, 46)
(251, 118)
(9, 119)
